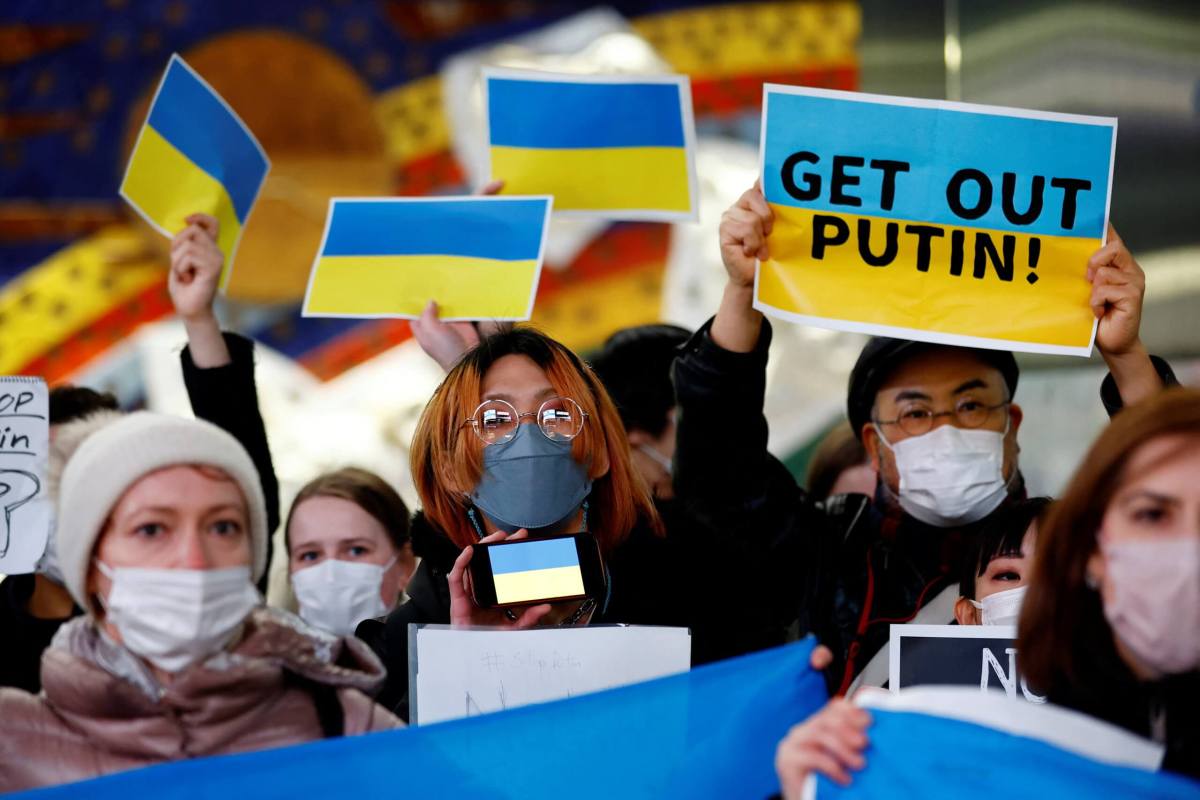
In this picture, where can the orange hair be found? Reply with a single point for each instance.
(447, 458)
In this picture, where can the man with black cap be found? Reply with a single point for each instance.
(938, 422)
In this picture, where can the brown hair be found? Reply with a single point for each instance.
(1062, 624)
(366, 490)
(447, 458)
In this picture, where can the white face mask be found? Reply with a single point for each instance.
(48, 564)
(174, 617)
(1001, 608)
(951, 476)
(337, 595)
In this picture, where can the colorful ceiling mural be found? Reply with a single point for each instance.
(346, 97)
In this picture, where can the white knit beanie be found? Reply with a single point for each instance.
(113, 458)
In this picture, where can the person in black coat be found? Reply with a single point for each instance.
(582, 479)
(847, 568)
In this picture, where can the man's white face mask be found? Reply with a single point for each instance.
(951, 476)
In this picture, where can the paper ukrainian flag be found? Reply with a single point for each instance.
(536, 570)
(194, 155)
(604, 146)
(478, 257)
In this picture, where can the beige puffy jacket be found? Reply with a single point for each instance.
(101, 710)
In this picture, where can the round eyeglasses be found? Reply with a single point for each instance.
(560, 419)
(917, 419)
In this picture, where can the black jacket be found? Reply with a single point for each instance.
(844, 569)
(679, 579)
(24, 635)
(1167, 710)
(228, 398)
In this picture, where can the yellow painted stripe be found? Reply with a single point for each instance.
(168, 187)
(72, 289)
(609, 178)
(1052, 311)
(744, 38)
(472, 288)
(519, 587)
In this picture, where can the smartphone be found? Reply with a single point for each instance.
(540, 569)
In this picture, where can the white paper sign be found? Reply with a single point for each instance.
(24, 443)
(461, 672)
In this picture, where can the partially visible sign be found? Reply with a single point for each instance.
(957, 655)
(465, 672)
(24, 443)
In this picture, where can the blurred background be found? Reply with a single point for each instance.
(377, 97)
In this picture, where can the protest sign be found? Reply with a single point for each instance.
(935, 221)
(194, 155)
(957, 655)
(463, 672)
(616, 147)
(957, 742)
(478, 257)
(24, 444)
(711, 732)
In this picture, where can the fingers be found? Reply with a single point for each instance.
(532, 616)
(753, 200)
(1113, 254)
(743, 228)
(206, 222)
(458, 589)
(194, 259)
(521, 534)
(1105, 296)
(490, 188)
(821, 657)
(495, 536)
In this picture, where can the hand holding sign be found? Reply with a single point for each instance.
(196, 262)
(744, 231)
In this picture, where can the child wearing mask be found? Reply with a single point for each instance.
(350, 556)
(998, 561)
(1111, 622)
(161, 534)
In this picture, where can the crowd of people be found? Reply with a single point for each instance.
(143, 637)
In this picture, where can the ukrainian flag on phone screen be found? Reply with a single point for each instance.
(614, 147)
(536, 570)
(194, 155)
(478, 257)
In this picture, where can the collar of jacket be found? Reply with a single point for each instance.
(107, 693)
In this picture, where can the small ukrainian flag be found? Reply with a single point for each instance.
(478, 257)
(194, 155)
(614, 147)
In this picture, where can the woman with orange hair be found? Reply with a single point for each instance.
(532, 472)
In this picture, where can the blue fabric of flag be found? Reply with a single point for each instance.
(711, 732)
(934, 758)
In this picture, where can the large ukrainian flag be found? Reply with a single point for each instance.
(536, 570)
(620, 148)
(194, 155)
(478, 257)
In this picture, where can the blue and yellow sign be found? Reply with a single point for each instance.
(935, 221)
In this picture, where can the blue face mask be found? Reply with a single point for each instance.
(530, 482)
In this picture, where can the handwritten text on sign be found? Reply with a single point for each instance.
(935, 221)
(24, 442)
(466, 672)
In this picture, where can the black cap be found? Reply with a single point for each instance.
(881, 356)
(635, 367)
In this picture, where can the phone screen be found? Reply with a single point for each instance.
(525, 571)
